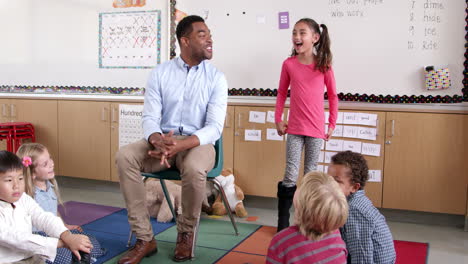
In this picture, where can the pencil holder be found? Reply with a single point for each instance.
(437, 79)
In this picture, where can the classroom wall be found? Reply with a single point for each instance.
(55, 42)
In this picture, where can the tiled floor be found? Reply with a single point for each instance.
(448, 242)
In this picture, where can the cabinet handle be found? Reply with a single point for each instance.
(113, 120)
(227, 120)
(4, 110)
(393, 128)
(239, 117)
(103, 114)
(13, 110)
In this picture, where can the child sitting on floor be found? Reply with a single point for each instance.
(42, 186)
(366, 233)
(19, 212)
(320, 209)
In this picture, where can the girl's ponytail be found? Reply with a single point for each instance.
(324, 55)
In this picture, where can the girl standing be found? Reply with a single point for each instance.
(307, 72)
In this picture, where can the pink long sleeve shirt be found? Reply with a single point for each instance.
(306, 110)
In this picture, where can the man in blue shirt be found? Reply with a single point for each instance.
(184, 110)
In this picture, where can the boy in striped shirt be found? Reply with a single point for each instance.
(320, 208)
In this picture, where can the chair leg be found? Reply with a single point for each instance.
(226, 204)
(130, 237)
(168, 199)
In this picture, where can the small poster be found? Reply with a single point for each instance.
(130, 39)
(371, 149)
(130, 128)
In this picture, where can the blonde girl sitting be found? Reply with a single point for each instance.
(43, 187)
(320, 208)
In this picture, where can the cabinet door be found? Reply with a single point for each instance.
(426, 162)
(84, 139)
(228, 138)
(43, 115)
(258, 165)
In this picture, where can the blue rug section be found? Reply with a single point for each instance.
(112, 232)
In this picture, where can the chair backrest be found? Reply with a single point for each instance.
(219, 162)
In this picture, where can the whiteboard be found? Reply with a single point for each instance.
(379, 46)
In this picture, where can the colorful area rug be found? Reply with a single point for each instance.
(216, 242)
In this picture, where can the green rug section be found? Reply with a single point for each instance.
(166, 252)
(213, 234)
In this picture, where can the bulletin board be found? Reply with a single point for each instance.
(380, 47)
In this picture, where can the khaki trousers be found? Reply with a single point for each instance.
(193, 164)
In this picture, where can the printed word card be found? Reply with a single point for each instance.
(354, 146)
(320, 168)
(272, 134)
(367, 119)
(253, 135)
(257, 117)
(321, 157)
(375, 176)
(130, 129)
(371, 149)
(369, 133)
(328, 156)
(271, 116)
(351, 131)
(334, 144)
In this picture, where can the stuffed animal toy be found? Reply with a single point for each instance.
(234, 195)
(156, 202)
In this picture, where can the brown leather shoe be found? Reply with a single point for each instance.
(184, 246)
(140, 250)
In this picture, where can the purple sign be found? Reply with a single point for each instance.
(283, 20)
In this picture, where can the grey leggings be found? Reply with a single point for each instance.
(294, 146)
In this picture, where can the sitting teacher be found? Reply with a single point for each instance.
(183, 115)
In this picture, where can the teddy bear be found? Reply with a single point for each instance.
(234, 195)
(156, 202)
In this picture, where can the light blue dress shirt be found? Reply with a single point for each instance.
(190, 101)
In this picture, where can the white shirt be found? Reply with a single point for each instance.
(17, 241)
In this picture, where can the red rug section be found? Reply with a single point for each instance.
(411, 252)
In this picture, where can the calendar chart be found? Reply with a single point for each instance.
(130, 39)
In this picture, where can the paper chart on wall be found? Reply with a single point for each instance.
(130, 129)
(321, 157)
(130, 39)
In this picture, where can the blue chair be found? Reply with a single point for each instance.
(174, 174)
